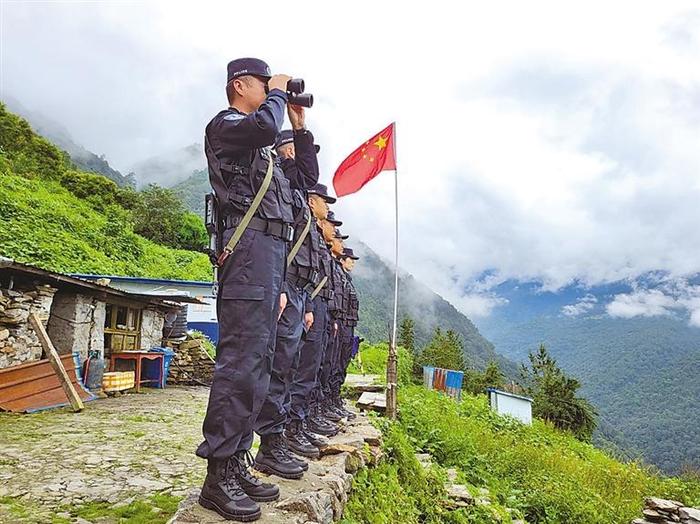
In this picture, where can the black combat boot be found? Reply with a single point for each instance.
(273, 458)
(318, 424)
(255, 488)
(316, 440)
(223, 494)
(340, 407)
(327, 411)
(297, 441)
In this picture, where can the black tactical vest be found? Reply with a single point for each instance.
(340, 295)
(236, 182)
(354, 306)
(308, 254)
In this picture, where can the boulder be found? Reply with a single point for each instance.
(689, 515)
(662, 504)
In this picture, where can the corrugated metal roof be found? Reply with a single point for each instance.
(11, 266)
(144, 280)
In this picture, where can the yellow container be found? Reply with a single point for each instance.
(118, 381)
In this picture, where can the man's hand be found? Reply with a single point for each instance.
(283, 304)
(279, 82)
(309, 320)
(296, 116)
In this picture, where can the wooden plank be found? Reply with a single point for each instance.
(55, 359)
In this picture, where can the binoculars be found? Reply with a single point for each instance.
(296, 95)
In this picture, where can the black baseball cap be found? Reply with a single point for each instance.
(286, 136)
(331, 218)
(247, 66)
(322, 191)
(339, 235)
(349, 253)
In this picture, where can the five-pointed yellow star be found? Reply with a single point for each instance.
(380, 143)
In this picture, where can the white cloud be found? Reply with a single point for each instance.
(672, 296)
(553, 142)
(582, 305)
(645, 303)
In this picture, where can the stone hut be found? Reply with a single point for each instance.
(79, 315)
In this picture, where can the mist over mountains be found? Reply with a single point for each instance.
(170, 168)
(61, 137)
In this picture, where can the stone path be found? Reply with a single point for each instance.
(117, 450)
(129, 448)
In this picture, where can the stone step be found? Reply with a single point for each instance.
(320, 496)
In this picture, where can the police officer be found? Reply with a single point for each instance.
(324, 407)
(297, 152)
(302, 425)
(317, 420)
(347, 338)
(251, 274)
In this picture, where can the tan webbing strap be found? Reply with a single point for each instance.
(297, 245)
(319, 287)
(255, 204)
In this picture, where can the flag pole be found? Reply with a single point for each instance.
(391, 366)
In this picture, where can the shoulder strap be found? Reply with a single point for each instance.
(318, 288)
(238, 233)
(302, 237)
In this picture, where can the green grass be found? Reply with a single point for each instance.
(546, 475)
(373, 362)
(157, 509)
(43, 224)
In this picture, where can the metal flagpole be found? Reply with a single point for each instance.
(391, 368)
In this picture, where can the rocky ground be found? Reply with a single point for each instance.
(131, 459)
(58, 465)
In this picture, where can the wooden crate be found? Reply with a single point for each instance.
(118, 381)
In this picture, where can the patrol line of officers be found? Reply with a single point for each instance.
(286, 304)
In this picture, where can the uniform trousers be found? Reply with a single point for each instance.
(311, 355)
(247, 309)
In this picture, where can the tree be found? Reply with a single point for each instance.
(192, 234)
(493, 377)
(407, 334)
(476, 382)
(554, 396)
(159, 215)
(445, 351)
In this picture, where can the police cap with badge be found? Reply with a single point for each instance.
(285, 137)
(322, 191)
(247, 66)
(349, 253)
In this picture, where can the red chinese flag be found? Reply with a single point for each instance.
(366, 162)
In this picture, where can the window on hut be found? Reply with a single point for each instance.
(122, 328)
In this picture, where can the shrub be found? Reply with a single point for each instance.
(374, 357)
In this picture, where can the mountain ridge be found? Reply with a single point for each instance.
(59, 136)
(637, 371)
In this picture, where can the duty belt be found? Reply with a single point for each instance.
(307, 273)
(301, 283)
(269, 227)
(326, 294)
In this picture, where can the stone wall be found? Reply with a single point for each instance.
(664, 511)
(152, 321)
(190, 366)
(18, 342)
(77, 324)
(321, 495)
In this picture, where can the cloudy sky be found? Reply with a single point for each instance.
(555, 141)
